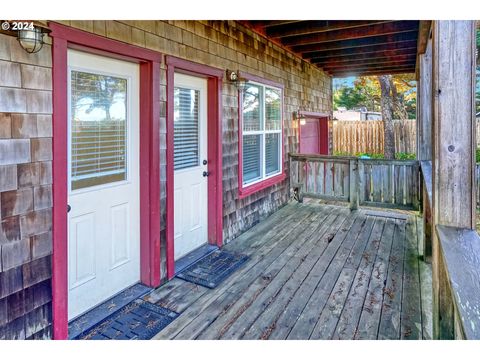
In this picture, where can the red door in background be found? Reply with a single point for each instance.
(314, 135)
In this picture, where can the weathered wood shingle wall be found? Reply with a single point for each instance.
(25, 147)
(25, 191)
(228, 45)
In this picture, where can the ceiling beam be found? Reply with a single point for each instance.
(355, 60)
(312, 27)
(374, 64)
(362, 50)
(373, 73)
(364, 56)
(423, 35)
(372, 67)
(390, 40)
(269, 23)
(355, 33)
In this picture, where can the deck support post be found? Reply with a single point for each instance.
(424, 138)
(453, 161)
(354, 185)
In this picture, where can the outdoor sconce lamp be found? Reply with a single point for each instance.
(301, 118)
(30, 36)
(236, 79)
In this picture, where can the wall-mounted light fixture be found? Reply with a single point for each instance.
(235, 78)
(301, 119)
(30, 36)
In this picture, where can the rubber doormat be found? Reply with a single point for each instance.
(213, 268)
(99, 313)
(138, 320)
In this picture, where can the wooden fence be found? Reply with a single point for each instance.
(352, 137)
(371, 182)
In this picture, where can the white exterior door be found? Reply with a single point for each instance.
(103, 181)
(190, 163)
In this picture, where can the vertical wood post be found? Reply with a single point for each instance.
(354, 184)
(453, 161)
(424, 105)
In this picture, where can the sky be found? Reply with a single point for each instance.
(348, 81)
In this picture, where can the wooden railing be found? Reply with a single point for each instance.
(458, 269)
(371, 182)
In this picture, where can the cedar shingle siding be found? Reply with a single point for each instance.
(26, 145)
(25, 191)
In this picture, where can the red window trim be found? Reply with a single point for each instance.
(214, 77)
(64, 38)
(244, 191)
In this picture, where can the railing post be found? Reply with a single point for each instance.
(354, 188)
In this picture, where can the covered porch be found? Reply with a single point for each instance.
(316, 271)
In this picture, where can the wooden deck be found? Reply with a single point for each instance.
(316, 272)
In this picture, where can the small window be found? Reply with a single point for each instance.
(261, 134)
(98, 129)
(186, 128)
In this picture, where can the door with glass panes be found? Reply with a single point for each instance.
(103, 179)
(190, 164)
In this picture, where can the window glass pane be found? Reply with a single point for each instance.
(99, 130)
(252, 108)
(251, 158)
(273, 109)
(186, 128)
(272, 153)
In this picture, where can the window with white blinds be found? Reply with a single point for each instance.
(261, 132)
(98, 140)
(186, 128)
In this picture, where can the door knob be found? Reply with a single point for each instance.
(205, 173)
(68, 208)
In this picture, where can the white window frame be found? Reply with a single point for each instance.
(263, 132)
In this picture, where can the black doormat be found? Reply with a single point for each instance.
(139, 320)
(213, 269)
(101, 312)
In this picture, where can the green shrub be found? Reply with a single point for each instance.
(477, 155)
(398, 156)
(405, 156)
(341, 153)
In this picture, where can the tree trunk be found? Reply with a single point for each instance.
(398, 103)
(387, 116)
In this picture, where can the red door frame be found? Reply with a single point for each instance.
(64, 38)
(214, 77)
(322, 129)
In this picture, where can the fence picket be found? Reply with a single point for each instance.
(354, 137)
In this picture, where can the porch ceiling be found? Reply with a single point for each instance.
(348, 47)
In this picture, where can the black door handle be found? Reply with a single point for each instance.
(205, 173)
(68, 208)
(205, 162)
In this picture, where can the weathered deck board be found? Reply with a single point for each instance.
(347, 324)
(277, 242)
(411, 311)
(392, 302)
(265, 324)
(316, 271)
(244, 321)
(425, 285)
(371, 312)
